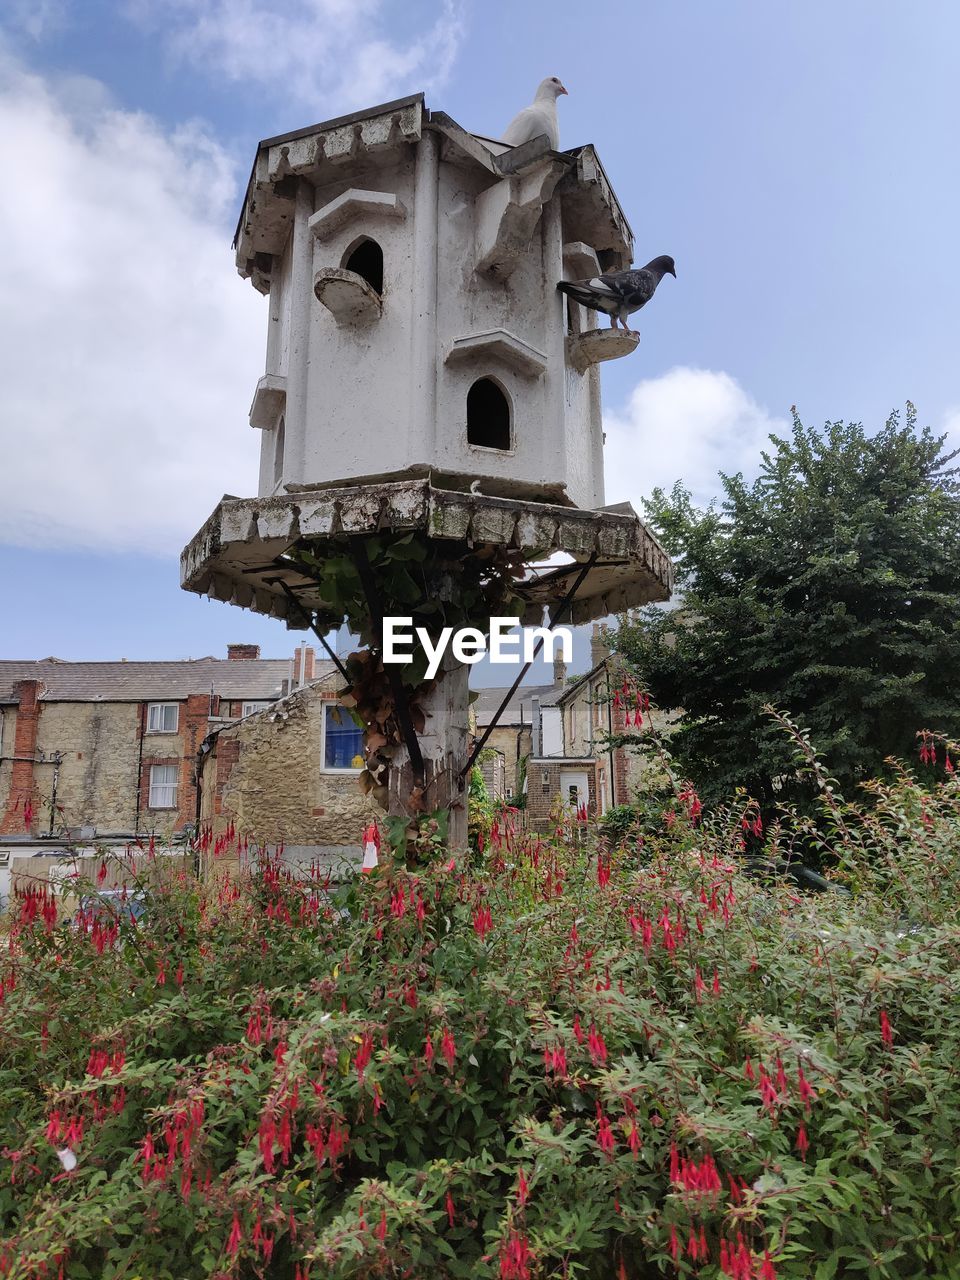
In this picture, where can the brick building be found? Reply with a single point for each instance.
(92, 749)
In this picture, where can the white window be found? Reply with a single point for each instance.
(342, 746)
(162, 717)
(248, 708)
(163, 786)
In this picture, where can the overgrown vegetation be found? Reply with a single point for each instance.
(567, 1064)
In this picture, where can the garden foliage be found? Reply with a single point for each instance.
(557, 1062)
(827, 586)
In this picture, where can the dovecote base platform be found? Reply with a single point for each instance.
(237, 556)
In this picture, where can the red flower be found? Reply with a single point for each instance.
(236, 1236)
(523, 1189)
(767, 1271)
(448, 1048)
(604, 1132)
(595, 1041)
(802, 1141)
(362, 1059)
(515, 1257)
(886, 1030)
(451, 1210)
(674, 1245)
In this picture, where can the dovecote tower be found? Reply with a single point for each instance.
(415, 328)
(429, 414)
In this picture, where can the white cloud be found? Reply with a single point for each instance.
(36, 19)
(335, 55)
(687, 424)
(129, 347)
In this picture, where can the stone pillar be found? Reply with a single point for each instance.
(298, 360)
(22, 782)
(423, 354)
(444, 746)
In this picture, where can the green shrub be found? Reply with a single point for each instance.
(565, 1065)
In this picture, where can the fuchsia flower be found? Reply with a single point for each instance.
(448, 1048)
(886, 1030)
(802, 1141)
(515, 1257)
(596, 1044)
(362, 1059)
(236, 1236)
(482, 922)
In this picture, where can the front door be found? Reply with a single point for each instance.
(575, 788)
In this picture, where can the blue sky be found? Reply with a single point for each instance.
(799, 162)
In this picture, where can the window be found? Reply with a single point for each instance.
(248, 708)
(366, 259)
(342, 740)
(162, 717)
(163, 786)
(488, 416)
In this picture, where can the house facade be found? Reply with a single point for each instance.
(556, 740)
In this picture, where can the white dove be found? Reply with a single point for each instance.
(540, 117)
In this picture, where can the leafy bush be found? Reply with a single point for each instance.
(564, 1066)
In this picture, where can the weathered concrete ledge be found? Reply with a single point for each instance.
(234, 556)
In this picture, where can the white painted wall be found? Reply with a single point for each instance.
(379, 399)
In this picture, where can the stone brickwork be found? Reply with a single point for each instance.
(264, 776)
(504, 740)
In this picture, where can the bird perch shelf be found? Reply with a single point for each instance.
(500, 345)
(349, 206)
(269, 401)
(347, 295)
(597, 345)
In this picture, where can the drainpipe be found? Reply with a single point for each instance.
(56, 760)
(610, 749)
(143, 723)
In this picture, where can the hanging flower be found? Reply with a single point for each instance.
(236, 1235)
(448, 1048)
(886, 1030)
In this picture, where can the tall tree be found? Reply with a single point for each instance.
(829, 587)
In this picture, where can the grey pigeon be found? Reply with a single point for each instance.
(539, 117)
(619, 293)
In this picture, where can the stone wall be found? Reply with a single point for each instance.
(264, 776)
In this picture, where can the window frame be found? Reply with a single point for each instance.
(252, 706)
(173, 787)
(163, 706)
(345, 771)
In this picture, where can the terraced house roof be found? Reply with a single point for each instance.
(255, 679)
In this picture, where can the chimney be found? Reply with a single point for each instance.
(599, 644)
(304, 665)
(242, 652)
(559, 669)
(535, 726)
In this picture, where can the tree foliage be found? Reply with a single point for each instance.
(828, 587)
